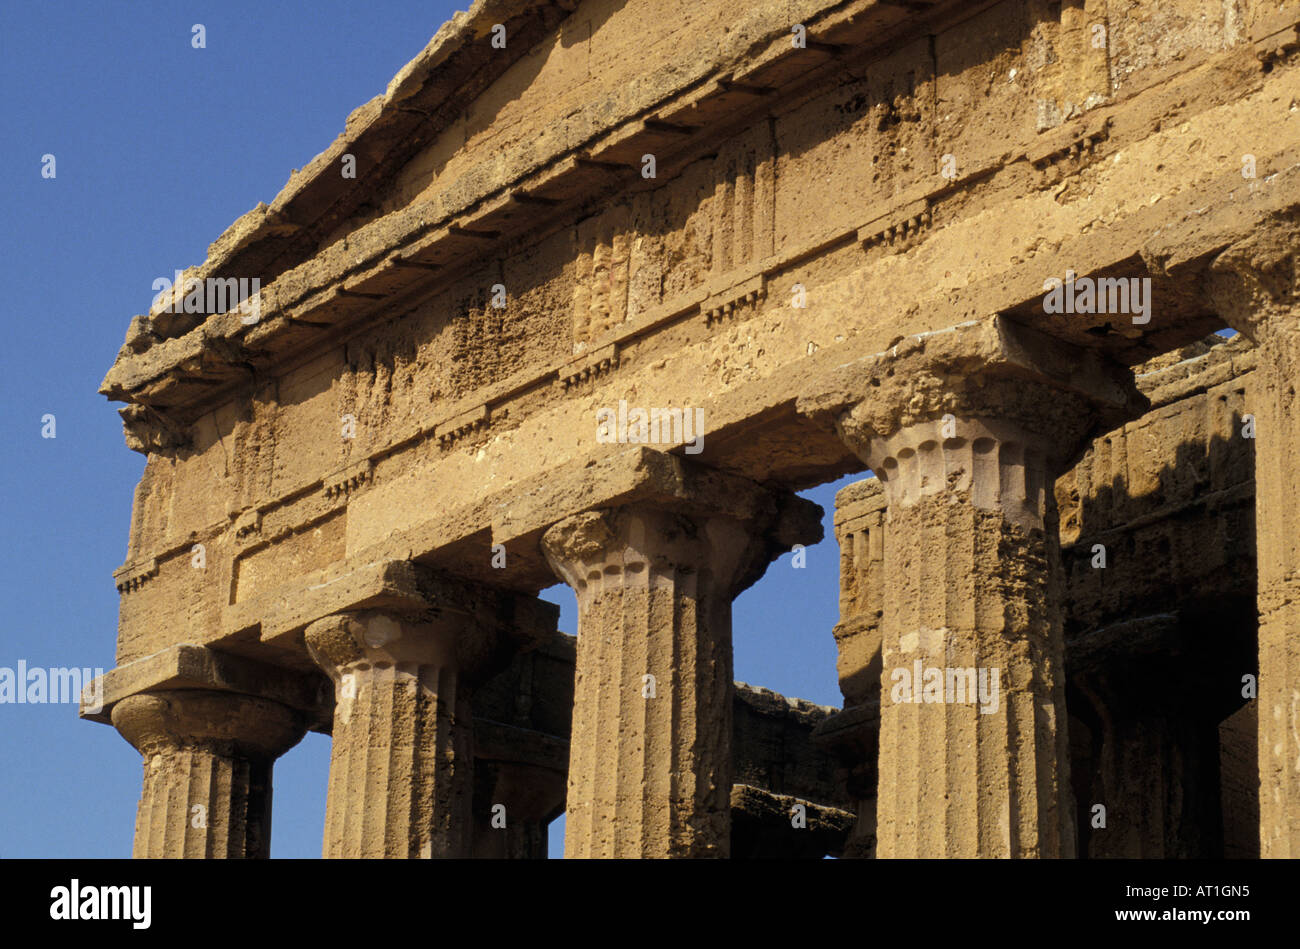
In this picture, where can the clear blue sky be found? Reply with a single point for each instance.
(159, 147)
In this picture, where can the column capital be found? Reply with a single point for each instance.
(377, 637)
(1008, 377)
(966, 429)
(465, 626)
(991, 408)
(402, 766)
(595, 546)
(731, 525)
(190, 668)
(1255, 283)
(225, 723)
(208, 760)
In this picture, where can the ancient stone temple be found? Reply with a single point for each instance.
(592, 290)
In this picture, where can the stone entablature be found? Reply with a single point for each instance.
(292, 483)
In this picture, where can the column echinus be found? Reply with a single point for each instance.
(208, 759)
(967, 430)
(1255, 287)
(402, 768)
(650, 767)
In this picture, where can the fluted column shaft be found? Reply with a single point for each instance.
(1277, 539)
(859, 530)
(208, 759)
(967, 430)
(973, 750)
(401, 770)
(1255, 285)
(1152, 759)
(650, 758)
(650, 750)
(514, 804)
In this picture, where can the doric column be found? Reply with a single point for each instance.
(966, 432)
(208, 758)
(401, 769)
(969, 586)
(401, 772)
(860, 533)
(1149, 753)
(514, 804)
(1255, 287)
(521, 753)
(650, 754)
(852, 736)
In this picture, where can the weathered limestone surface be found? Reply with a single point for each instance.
(401, 773)
(776, 765)
(859, 531)
(786, 802)
(853, 736)
(650, 768)
(1157, 524)
(841, 241)
(1254, 284)
(402, 770)
(208, 758)
(521, 720)
(1159, 630)
(779, 826)
(967, 434)
(521, 751)
(1168, 496)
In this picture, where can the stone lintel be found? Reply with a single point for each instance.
(924, 376)
(186, 666)
(1240, 210)
(763, 824)
(855, 729)
(460, 541)
(494, 741)
(1122, 642)
(641, 475)
(636, 475)
(1196, 368)
(280, 615)
(773, 747)
(1252, 284)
